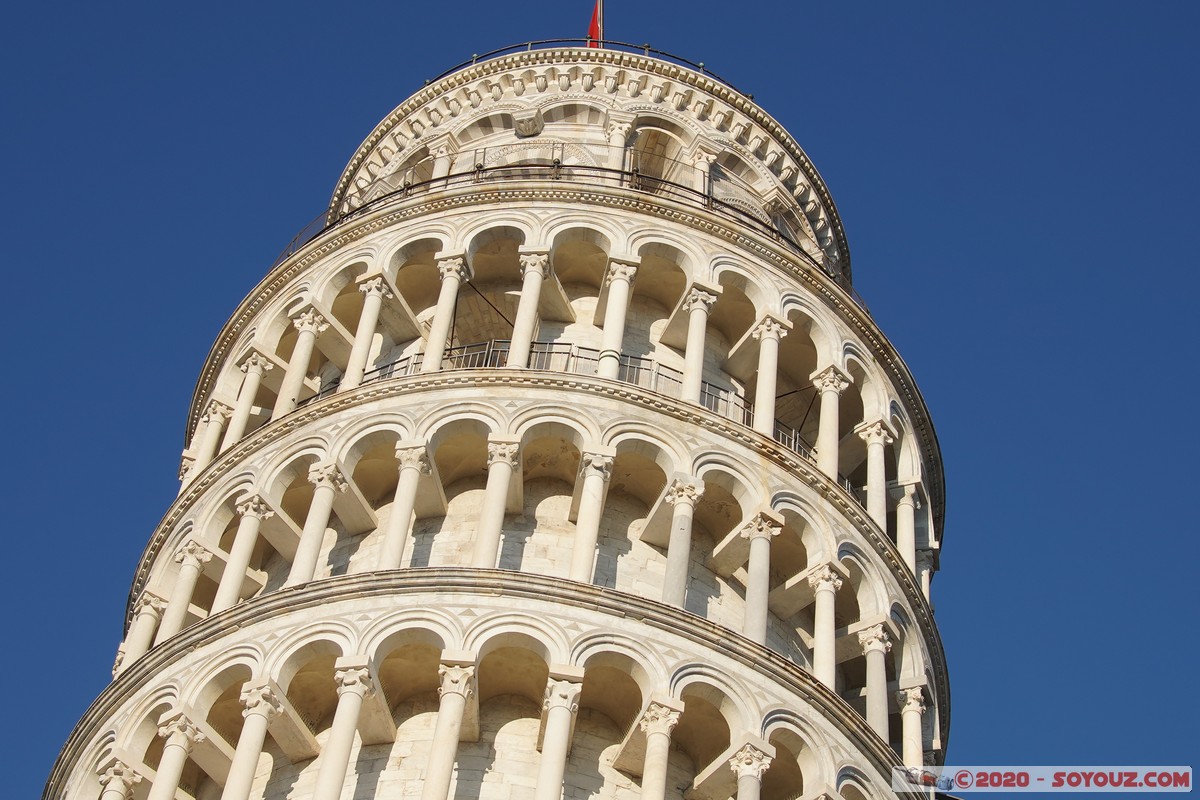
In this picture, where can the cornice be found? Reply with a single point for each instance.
(602, 58)
(413, 385)
(807, 273)
(464, 582)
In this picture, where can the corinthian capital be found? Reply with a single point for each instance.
(414, 457)
(218, 413)
(760, 526)
(456, 679)
(149, 604)
(595, 464)
(875, 433)
(257, 363)
(327, 474)
(620, 271)
(192, 552)
(562, 694)
(260, 699)
(310, 322)
(353, 679)
(911, 700)
(750, 762)
(769, 329)
(180, 731)
(823, 577)
(455, 267)
(116, 775)
(375, 287)
(535, 262)
(875, 638)
(831, 379)
(684, 492)
(254, 506)
(504, 452)
(658, 719)
(698, 299)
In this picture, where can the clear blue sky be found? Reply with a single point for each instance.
(1018, 182)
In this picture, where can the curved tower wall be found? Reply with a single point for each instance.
(562, 462)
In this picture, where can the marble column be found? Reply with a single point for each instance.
(561, 704)
(117, 780)
(309, 323)
(375, 291)
(876, 645)
(683, 497)
(620, 288)
(749, 763)
(259, 705)
(657, 724)
(697, 306)
(217, 415)
(454, 272)
(255, 366)
(503, 460)
(146, 615)
(925, 572)
(768, 333)
(414, 462)
(534, 269)
(457, 686)
(877, 436)
(180, 734)
(617, 132)
(594, 470)
(252, 511)
(825, 583)
(906, 526)
(353, 686)
(830, 383)
(191, 557)
(328, 481)
(760, 530)
(912, 706)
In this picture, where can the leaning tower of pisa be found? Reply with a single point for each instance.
(557, 459)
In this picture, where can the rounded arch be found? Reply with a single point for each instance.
(645, 666)
(537, 634)
(443, 422)
(324, 639)
(571, 424)
(820, 330)
(852, 783)
(234, 666)
(140, 729)
(654, 444)
(865, 580)
(781, 723)
(705, 681)
(363, 435)
(428, 626)
(815, 531)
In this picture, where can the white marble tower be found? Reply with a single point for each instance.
(558, 460)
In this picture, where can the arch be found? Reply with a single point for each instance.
(654, 444)
(865, 579)
(812, 758)
(710, 683)
(328, 637)
(816, 535)
(430, 626)
(442, 422)
(573, 424)
(645, 666)
(234, 666)
(506, 629)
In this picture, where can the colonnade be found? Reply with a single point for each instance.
(225, 424)
(359, 696)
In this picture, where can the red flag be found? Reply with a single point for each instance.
(596, 29)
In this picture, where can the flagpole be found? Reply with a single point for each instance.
(601, 26)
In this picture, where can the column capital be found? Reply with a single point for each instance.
(119, 660)
(658, 719)
(760, 526)
(149, 603)
(698, 299)
(878, 432)
(192, 552)
(353, 679)
(454, 266)
(824, 577)
(908, 496)
(682, 491)
(618, 129)
(327, 474)
(875, 638)
(831, 379)
(217, 412)
(562, 694)
(457, 679)
(620, 271)
(504, 452)
(177, 729)
(769, 328)
(414, 456)
(260, 699)
(534, 262)
(185, 466)
(595, 464)
(253, 505)
(375, 287)
(925, 560)
(309, 321)
(749, 761)
(116, 774)
(911, 699)
(256, 362)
